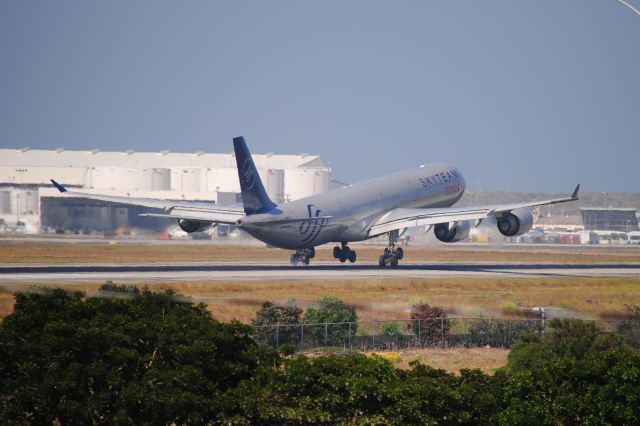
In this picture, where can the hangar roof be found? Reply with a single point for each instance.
(96, 158)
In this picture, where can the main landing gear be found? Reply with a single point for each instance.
(303, 256)
(344, 253)
(391, 254)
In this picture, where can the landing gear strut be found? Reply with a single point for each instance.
(344, 253)
(303, 256)
(391, 254)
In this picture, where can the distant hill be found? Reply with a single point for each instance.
(587, 199)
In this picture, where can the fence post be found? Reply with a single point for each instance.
(350, 336)
(277, 336)
(373, 335)
(510, 340)
(419, 333)
(442, 330)
(464, 323)
(326, 334)
(301, 336)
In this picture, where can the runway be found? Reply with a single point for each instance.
(174, 272)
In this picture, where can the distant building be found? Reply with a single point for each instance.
(570, 223)
(27, 196)
(609, 219)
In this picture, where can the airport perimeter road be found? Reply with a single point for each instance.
(320, 270)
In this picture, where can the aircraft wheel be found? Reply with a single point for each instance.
(352, 256)
(312, 253)
(393, 262)
(344, 254)
(399, 253)
(336, 252)
(382, 261)
(305, 260)
(294, 259)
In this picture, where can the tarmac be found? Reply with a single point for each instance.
(175, 272)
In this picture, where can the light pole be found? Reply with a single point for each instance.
(18, 195)
(604, 211)
(17, 209)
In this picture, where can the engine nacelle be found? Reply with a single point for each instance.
(190, 226)
(457, 232)
(517, 222)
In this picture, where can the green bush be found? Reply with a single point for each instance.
(493, 332)
(572, 375)
(330, 310)
(391, 328)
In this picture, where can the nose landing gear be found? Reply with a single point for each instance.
(344, 253)
(303, 256)
(391, 254)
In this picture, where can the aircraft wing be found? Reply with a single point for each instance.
(190, 210)
(402, 218)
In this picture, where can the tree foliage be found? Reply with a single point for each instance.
(572, 375)
(146, 359)
(132, 356)
(355, 389)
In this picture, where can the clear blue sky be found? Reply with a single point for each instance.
(529, 96)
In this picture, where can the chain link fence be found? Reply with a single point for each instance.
(433, 332)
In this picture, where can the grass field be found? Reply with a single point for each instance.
(44, 252)
(374, 299)
(451, 359)
(391, 299)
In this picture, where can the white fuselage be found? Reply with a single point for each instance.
(347, 214)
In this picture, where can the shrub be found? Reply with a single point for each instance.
(287, 349)
(329, 311)
(501, 333)
(431, 324)
(391, 328)
(564, 339)
(572, 376)
(278, 324)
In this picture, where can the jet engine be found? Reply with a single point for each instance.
(190, 226)
(515, 223)
(452, 234)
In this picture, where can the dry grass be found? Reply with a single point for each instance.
(32, 252)
(451, 360)
(391, 299)
(455, 359)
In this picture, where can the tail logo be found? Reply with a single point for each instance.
(248, 179)
(311, 228)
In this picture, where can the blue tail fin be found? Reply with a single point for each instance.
(254, 196)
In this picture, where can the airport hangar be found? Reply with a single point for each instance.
(28, 199)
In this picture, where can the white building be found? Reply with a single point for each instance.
(26, 194)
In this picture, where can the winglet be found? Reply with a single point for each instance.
(57, 185)
(575, 192)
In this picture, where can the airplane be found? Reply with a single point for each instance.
(422, 196)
